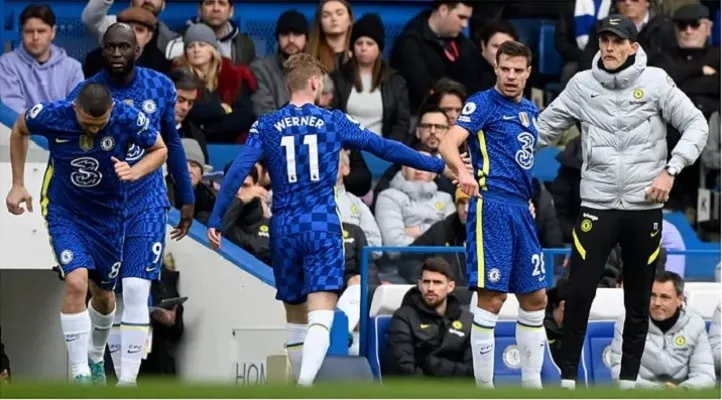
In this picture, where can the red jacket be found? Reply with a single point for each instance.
(232, 79)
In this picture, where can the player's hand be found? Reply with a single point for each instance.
(186, 220)
(662, 185)
(246, 195)
(707, 70)
(467, 183)
(17, 196)
(165, 317)
(214, 238)
(532, 209)
(123, 170)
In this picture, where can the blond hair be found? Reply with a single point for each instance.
(301, 67)
(209, 81)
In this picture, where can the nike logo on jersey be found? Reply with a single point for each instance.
(653, 234)
(149, 269)
(508, 117)
(59, 140)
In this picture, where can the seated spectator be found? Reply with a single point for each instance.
(565, 187)
(143, 23)
(37, 70)
(326, 98)
(429, 334)
(677, 351)
(433, 125)
(431, 47)
(545, 217)
(367, 89)
(5, 362)
(272, 93)
(449, 96)
(491, 36)
(216, 15)
(167, 324)
(352, 209)
(714, 338)
(246, 223)
(223, 111)
(187, 87)
(410, 205)
(96, 19)
(204, 195)
(554, 319)
(331, 33)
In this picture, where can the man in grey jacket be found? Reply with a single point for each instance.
(623, 107)
(677, 351)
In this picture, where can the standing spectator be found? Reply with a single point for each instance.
(490, 37)
(272, 93)
(331, 33)
(677, 351)
(431, 47)
(223, 111)
(187, 87)
(714, 338)
(351, 208)
(37, 70)
(575, 21)
(429, 334)
(367, 89)
(217, 15)
(143, 23)
(5, 361)
(96, 19)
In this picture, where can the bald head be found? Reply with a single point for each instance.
(120, 32)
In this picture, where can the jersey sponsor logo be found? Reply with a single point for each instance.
(107, 143)
(586, 225)
(494, 275)
(511, 357)
(149, 107)
(525, 156)
(35, 110)
(86, 143)
(135, 152)
(469, 108)
(86, 174)
(66, 257)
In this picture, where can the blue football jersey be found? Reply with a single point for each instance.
(154, 94)
(81, 178)
(301, 147)
(502, 140)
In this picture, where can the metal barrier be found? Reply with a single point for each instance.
(436, 250)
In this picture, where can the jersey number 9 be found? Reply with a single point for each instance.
(289, 143)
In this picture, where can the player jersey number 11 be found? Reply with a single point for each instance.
(289, 143)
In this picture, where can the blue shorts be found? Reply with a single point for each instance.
(306, 263)
(502, 248)
(144, 244)
(82, 243)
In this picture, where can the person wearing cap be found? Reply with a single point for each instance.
(292, 36)
(144, 24)
(624, 107)
(367, 89)
(197, 167)
(223, 111)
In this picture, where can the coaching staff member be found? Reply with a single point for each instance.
(623, 107)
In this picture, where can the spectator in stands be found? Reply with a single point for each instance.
(711, 152)
(677, 351)
(223, 111)
(187, 87)
(410, 205)
(554, 319)
(432, 126)
(167, 324)
(575, 22)
(490, 37)
(204, 195)
(5, 363)
(326, 98)
(714, 338)
(565, 187)
(292, 36)
(143, 23)
(656, 31)
(96, 19)
(246, 223)
(429, 334)
(217, 15)
(352, 209)
(331, 33)
(545, 216)
(367, 89)
(37, 70)
(449, 96)
(431, 47)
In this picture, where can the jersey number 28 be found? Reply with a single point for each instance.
(312, 142)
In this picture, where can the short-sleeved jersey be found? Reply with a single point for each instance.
(81, 177)
(502, 140)
(154, 94)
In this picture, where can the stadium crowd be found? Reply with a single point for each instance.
(414, 97)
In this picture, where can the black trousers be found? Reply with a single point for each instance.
(596, 232)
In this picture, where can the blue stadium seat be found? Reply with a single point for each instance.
(550, 61)
(377, 166)
(221, 154)
(597, 348)
(528, 30)
(377, 342)
(339, 335)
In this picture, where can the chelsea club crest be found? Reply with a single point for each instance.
(149, 106)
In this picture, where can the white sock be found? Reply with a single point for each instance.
(355, 346)
(318, 339)
(76, 328)
(101, 324)
(133, 328)
(295, 335)
(531, 341)
(627, 385)
(114, 339)
(349, 304)
(569, 384)
(482, 347)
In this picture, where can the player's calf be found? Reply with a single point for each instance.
(531, 337)
(321, 306)
(296, 328)
(75, 323)
(486, 313)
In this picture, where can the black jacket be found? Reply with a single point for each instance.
(150, 58)
(565, 187)
(160, 360)
(358, 181)
(564, 38)
(547, 224)
(189, 130)
(394, 96)
(204, 195)
(420, 342)
(419, 56)
(245, 225)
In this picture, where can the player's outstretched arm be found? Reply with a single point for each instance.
(19, 138)
(449, 150)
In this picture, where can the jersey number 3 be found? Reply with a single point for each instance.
(289, 143)
(87, 174)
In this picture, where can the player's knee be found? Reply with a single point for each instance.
(76, 284)
(533, 301)
(490, 300)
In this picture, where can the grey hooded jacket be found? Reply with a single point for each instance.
(681, 355)
(623, 118)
